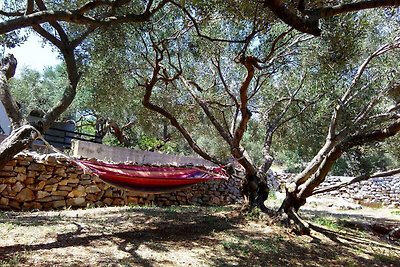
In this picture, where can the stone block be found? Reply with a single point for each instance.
(17, 187)
(36, 167)
(60, 171)
(4, 201)
(79, 192)
(42, 194)
(50, 159)
(79, 201)
(2, 187)
(44, 177)
(50, 188)
(118, 202)
(64, 188)
(72, 175)
(63, 182)
(31, 206)
(7, 174)
(45, 199)
(93, 197)
(132, 200)
(85, 182)
(12, 163)
(14, 204)
(73, 180)
(57, 197)
(108, 201)
(25, 195)
(20, 169)
(40, 185)
(59, 203)
(92, 189)
(31, 174)
(52, 180)
(24, 163)
(7, 168)
(60, 193)
(29, 181)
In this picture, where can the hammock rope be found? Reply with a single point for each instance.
(145, 179)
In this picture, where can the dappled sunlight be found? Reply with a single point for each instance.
(181, 236)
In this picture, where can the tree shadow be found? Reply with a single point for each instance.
(157, 229)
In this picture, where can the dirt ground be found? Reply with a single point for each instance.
(190, 236)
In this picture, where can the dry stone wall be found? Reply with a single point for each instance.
(375, 192)
(49, 182)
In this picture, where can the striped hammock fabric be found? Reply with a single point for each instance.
(151, 179)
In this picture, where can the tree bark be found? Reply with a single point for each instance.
(19, 140)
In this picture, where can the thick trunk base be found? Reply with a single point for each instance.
(288, 214)
(255, 191)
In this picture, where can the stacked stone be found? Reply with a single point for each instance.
(32, 182)
(375, 192)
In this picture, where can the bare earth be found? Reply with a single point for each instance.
(189, 236)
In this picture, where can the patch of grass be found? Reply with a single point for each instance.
(329, 223)
(11, 262)
(8, 226)
(254, 246)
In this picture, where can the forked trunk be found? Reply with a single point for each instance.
(255, 190)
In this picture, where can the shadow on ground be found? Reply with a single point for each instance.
(224, 238)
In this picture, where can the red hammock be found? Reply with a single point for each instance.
(151, 179)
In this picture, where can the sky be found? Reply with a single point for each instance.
(34, 54)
